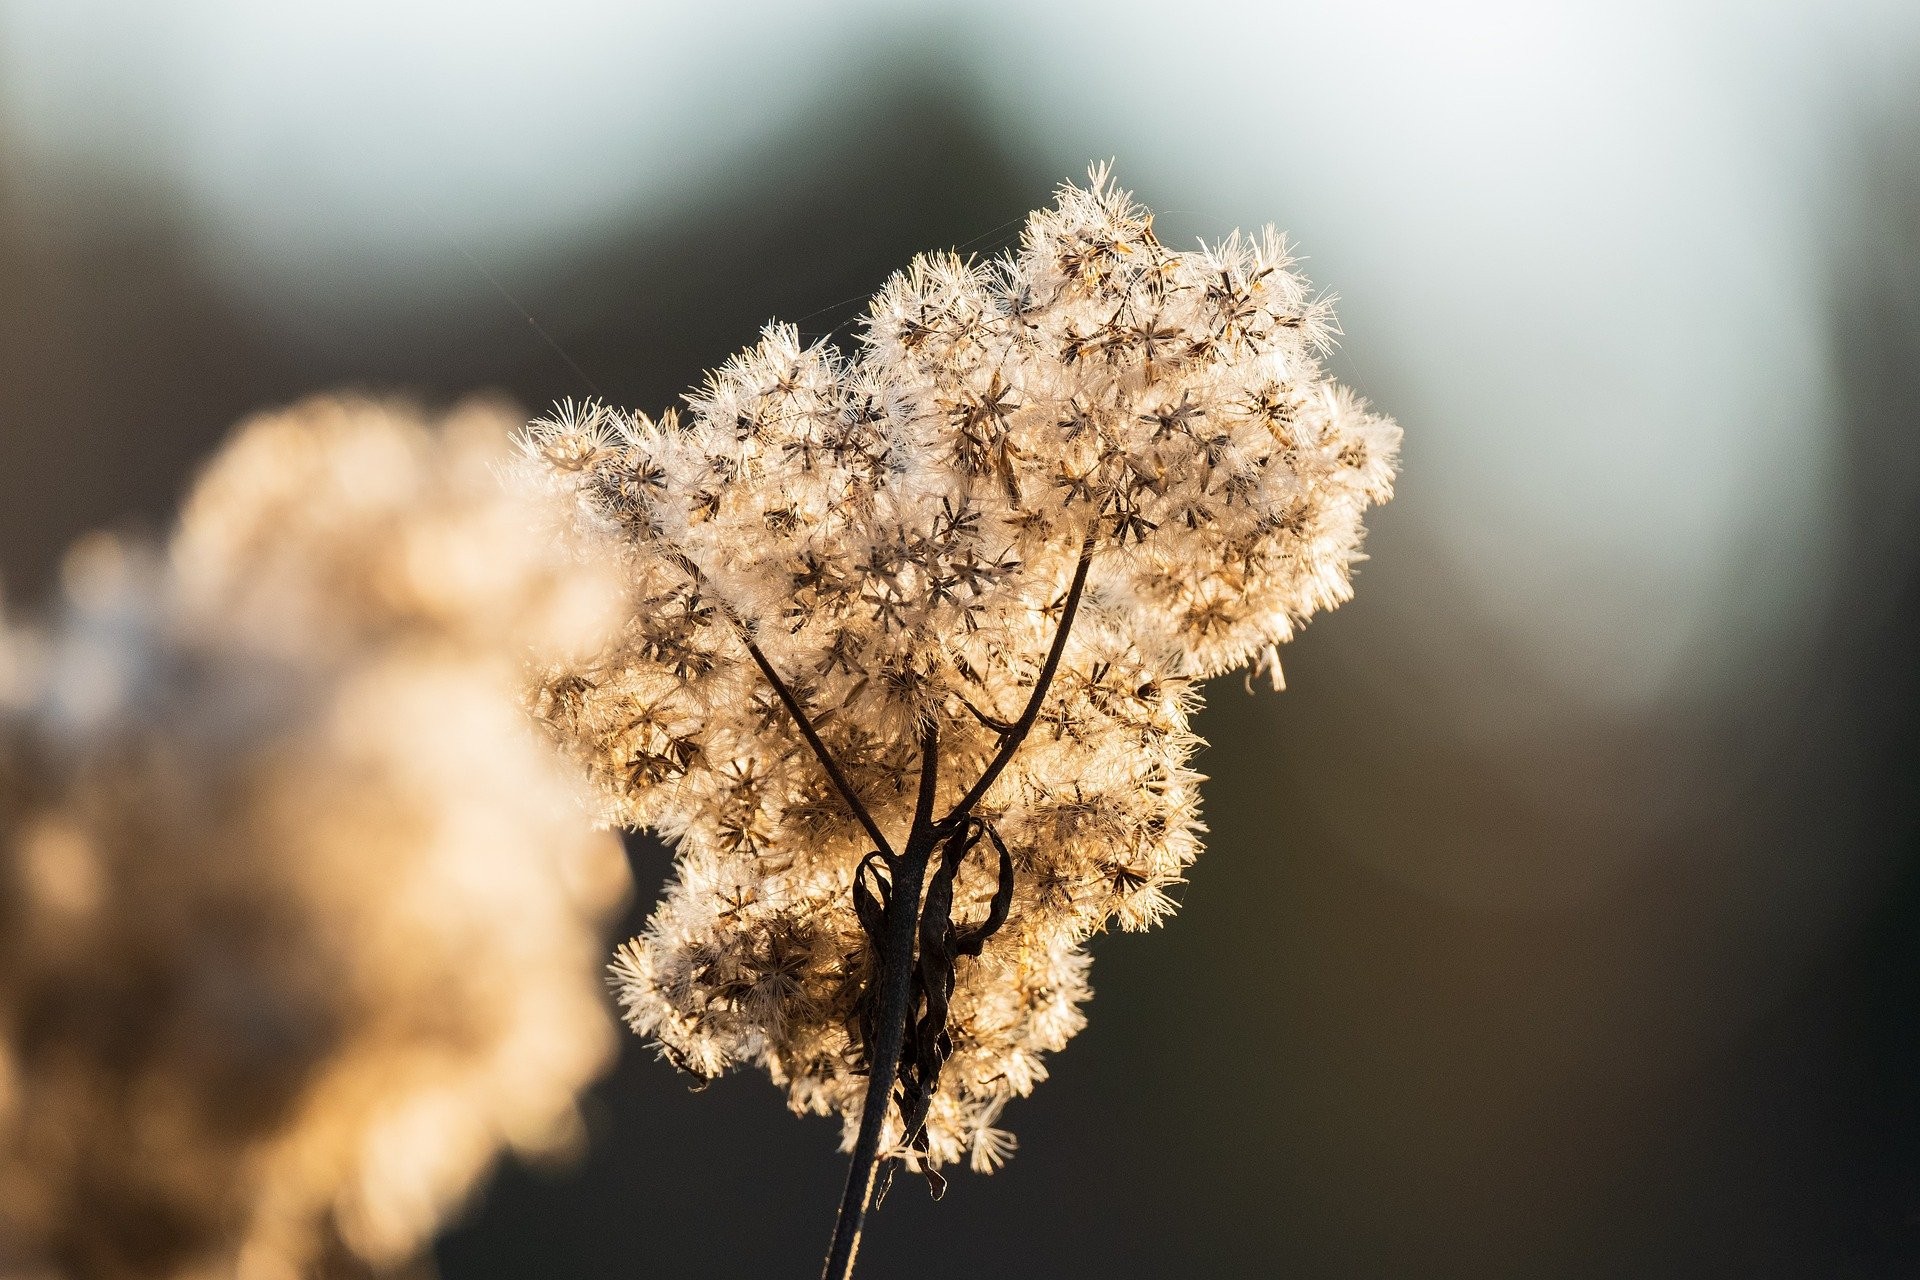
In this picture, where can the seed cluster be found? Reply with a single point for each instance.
(890, 540)
(300, 921)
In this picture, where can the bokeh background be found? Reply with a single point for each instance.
(1562, 919)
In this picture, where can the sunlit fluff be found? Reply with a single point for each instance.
(299, 918)
(896, 531)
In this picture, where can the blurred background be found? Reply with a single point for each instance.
(1562, 919)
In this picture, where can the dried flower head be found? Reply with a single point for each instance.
(918, 631)
(341, 524)
(299, 918)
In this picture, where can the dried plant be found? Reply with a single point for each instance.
(915, 642)
(299, 918)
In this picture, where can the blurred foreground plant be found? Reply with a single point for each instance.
(299, 919)
(914, 642)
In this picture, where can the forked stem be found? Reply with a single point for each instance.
(894, 964)
(893, 978)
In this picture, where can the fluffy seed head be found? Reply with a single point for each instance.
(896, 530)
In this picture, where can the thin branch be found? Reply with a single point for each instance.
(1010, 741)
(1001, 727)
(687, 566)
(807, 731)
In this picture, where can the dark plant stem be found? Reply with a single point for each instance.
(893, 980)
(894, 964)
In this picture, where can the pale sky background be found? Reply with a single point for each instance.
(1589, 239)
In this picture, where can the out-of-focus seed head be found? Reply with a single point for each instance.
(299, 916)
